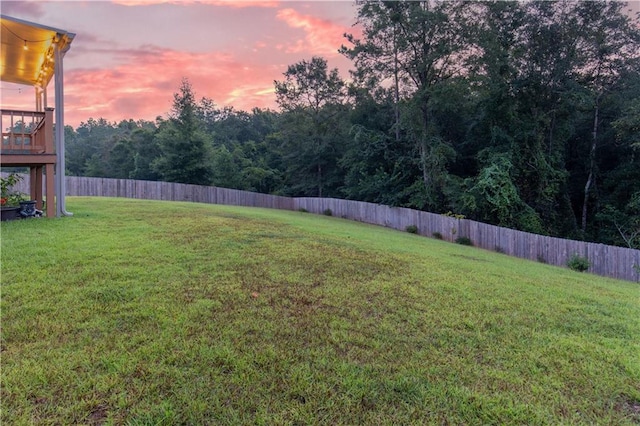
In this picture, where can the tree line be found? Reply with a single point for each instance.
(520, 114)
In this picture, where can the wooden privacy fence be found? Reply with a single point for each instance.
(149, 190)
(616, 262)
(609, 261)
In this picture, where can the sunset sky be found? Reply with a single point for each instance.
(129, 56)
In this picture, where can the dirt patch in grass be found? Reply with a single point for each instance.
(469, 257)
(629, 407)
(98, 415)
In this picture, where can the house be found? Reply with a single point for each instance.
(32, 55)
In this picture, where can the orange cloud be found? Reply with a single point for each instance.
(113, 74)
(142, 87)
(323, 37)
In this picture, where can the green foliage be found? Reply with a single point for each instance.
(453, 215)
(312, 98)
(627, 126)
(377, 168)
(578, 263)
(387, 52)
(185, 146)
(146, 152)
(309, 85)
(465, 241)
(622, 225)
(412, 229)
(227, 168)
(497, 191)
(529, 221)
(8, 195)
(122, 156)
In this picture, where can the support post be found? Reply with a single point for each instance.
(37, 191)
(59, 110)
(49, 147)
(50, 190)
(32, 182)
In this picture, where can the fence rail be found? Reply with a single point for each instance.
(616, 262)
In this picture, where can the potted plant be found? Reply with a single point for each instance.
(10, 199)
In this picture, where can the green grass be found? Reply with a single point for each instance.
(156, 313)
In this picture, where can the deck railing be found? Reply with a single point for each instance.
(24, 132)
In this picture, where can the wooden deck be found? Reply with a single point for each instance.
(28, 141)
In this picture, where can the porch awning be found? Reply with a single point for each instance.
(27, 55)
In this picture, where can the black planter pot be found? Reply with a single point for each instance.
(10, 213)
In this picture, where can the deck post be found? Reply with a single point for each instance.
(37, 187)
(60, 165)
(48, 131)
(50, 190)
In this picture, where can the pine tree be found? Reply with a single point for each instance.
(185, 147)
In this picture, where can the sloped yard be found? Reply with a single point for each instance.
(146, 312)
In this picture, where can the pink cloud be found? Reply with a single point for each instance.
(323, 37)
(228, 3)
(120, 67)
(143, 86)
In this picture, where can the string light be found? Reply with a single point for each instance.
(48, 58)
(25, 41)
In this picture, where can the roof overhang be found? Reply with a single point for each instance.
(27, 54)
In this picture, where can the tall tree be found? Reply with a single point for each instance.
(185, 147)
(523, 76)
(380, 167)
(312, 98)
(609, 45)
(417, 45)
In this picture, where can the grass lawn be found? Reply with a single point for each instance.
(158, 313)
